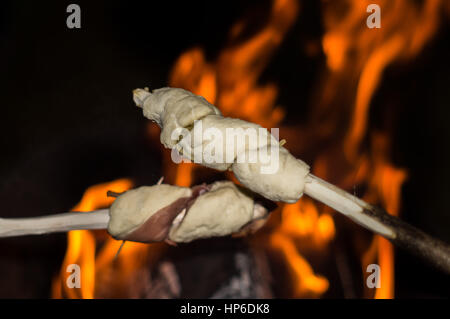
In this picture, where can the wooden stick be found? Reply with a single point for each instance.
(10, 227)
(379, 221)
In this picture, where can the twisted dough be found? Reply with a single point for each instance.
(182, 214)
(177, 109)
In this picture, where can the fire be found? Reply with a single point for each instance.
(81, 245)
(302, 228)
(231, 83)
(356, 58)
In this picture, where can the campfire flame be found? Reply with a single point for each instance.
(356, 58)
(231, 83)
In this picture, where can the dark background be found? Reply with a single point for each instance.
(68, 120)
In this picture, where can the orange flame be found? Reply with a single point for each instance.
(231, 83)
(81, 244)
(357, 57)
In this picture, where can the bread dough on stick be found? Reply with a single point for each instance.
(173, 109)
(278, 175)
(182, 214)
(221, 211)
